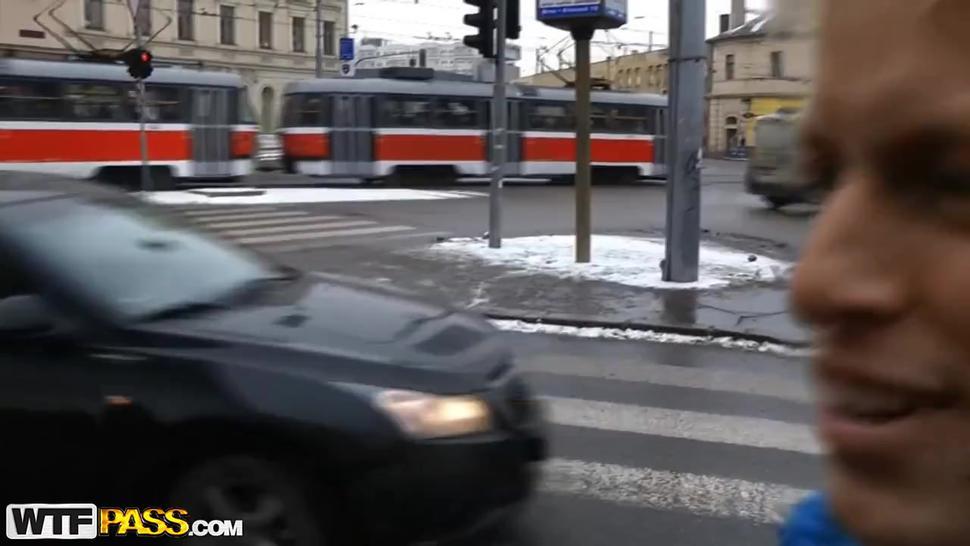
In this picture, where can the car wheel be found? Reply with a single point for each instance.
(275, 507)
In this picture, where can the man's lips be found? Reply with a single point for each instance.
(877, 413)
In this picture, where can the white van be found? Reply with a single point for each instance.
(773, 168)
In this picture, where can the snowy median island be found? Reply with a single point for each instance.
(630, 261)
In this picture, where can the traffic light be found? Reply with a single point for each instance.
(139, 63)
(484, 21)
(513, 27)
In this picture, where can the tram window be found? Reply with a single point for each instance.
(628, 118)
(551, 116)
(456, 113)
(598, 119)
(311, 111)
(291, 109)
(162, 104)
(21, 99)
(406, 112)
(94, 102)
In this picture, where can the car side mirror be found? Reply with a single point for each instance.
(24, 315)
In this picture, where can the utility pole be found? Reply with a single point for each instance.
(500, 112)
(650, 43)
(686, 129)
(584, 192)
(319, 24)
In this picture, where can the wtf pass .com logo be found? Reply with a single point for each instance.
(87, 521)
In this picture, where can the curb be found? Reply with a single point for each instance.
(643, 327)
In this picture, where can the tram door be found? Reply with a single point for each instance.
(352, 136)
(211, 133)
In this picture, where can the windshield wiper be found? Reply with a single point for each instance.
(186, 309)
(257, 285)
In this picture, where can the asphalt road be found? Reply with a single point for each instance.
(665, 444)
(550, 209)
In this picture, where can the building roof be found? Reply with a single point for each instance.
(754, 28)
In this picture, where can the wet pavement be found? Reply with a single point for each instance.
(758, 311)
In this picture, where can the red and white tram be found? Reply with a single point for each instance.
(81, 119)
(375, 128)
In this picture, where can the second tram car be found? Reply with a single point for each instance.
(81, 119)
(378, 128)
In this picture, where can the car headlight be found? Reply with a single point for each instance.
(427, 416)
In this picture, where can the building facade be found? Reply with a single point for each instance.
(267, 42)
(758, 68)
(644, 72)
(452, 57)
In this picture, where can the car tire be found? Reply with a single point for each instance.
(275, 506)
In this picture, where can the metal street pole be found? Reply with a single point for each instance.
(146, 177)
(500, 111)
(583, 153)
(684, 140)
(319, 33)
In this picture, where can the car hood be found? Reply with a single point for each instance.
(343, 330)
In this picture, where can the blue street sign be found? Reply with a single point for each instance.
(570, 13)
(346, 49)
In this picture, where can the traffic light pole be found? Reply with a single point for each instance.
(500, 112)
(584, 192)
(146, 178)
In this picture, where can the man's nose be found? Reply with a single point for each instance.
(855, 263)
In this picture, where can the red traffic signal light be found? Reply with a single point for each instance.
(139, 63)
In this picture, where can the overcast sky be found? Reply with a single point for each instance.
(412, 20)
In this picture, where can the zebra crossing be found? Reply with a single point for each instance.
(288, 229)
(651, 434)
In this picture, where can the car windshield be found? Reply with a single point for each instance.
(130, 259)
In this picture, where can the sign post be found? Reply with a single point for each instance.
(582, 18)
(500, 114)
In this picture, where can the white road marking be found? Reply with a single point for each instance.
(252, 216)
(322, 235)
(689, 425)
(273, 221)
(663, 490)
(296, 228)
(675, 376)
(197, 211)
(328, 242)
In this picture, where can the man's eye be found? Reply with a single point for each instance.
(954, 183)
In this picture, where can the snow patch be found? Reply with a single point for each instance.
(300, 195)
(631, 261)
(626, 334)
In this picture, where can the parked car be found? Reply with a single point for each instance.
(269, 152)
(146, 363)
(773, 169)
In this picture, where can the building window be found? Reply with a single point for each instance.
(94, 14)
(637, 78)
(143, 20)
(266, 30)
(186, 20)
(227, 25)
(729, 67)
(328, 38)
(299, 34)
(777, 65)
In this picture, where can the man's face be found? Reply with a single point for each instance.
(885, 278)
